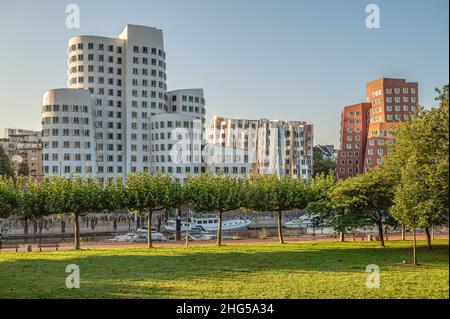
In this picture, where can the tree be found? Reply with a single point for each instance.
(176, 198)
(76, 196)
(368, 196)
(33, 200)
(271, 193)
(148, 192)
(113, 195)
(210, 193)
(5, 164)
(321, 202)
(420, 168)
(23, 169)
(322, 164)
(9, 196)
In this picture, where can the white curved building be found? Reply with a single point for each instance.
(126, 80)
(273, 146)
(178, 135)
(126, 77)
(67, 133)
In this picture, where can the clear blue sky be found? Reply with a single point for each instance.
(284, 59)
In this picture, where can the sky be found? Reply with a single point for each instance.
(276, 59)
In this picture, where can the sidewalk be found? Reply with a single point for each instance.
(103, 245)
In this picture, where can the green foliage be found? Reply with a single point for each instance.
(74, 195)
(34, 201)
(9, 196)
(370, 194)
(319, 200)
(322, 165)
(148, 191)
(420, 168)
(23, 169)
(5, 164)
(113, 196)
(271, 193)
(367, 198)
(209, 193)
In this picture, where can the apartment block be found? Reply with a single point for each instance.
(266, 146)
(24, 147)
(392, 101)
(353, 140)
(367, 129)
(116, 114)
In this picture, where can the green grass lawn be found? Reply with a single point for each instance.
(300, 270)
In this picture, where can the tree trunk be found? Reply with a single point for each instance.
(159, 222)
(63, 226)
(341, 236)
(403, 232)
(76, 231)
(427, 231)
(414, 246)
(40, 225)
(219, 230)
(380, 233)
(177, 224)
(187, 228)
(149, 228)
(25, 227)
(280, 228)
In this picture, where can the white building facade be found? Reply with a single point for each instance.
(178, 135)
(122, 83)
(68, 133)
(273, 147)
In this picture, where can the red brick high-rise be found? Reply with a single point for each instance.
(389, 101)
(354, 121)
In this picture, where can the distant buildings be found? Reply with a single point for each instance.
(367, 128)
(272, 146)
(7, 132)
(24, 147)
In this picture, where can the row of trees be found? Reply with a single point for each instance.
(147, 193)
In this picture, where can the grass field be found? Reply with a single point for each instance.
(294, 270)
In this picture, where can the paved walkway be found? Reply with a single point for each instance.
(92, 245)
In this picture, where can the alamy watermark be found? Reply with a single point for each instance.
(73, 280)
(73, 17)
(373, 19)
(373, 279)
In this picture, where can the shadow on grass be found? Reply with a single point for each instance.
(136, 273)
